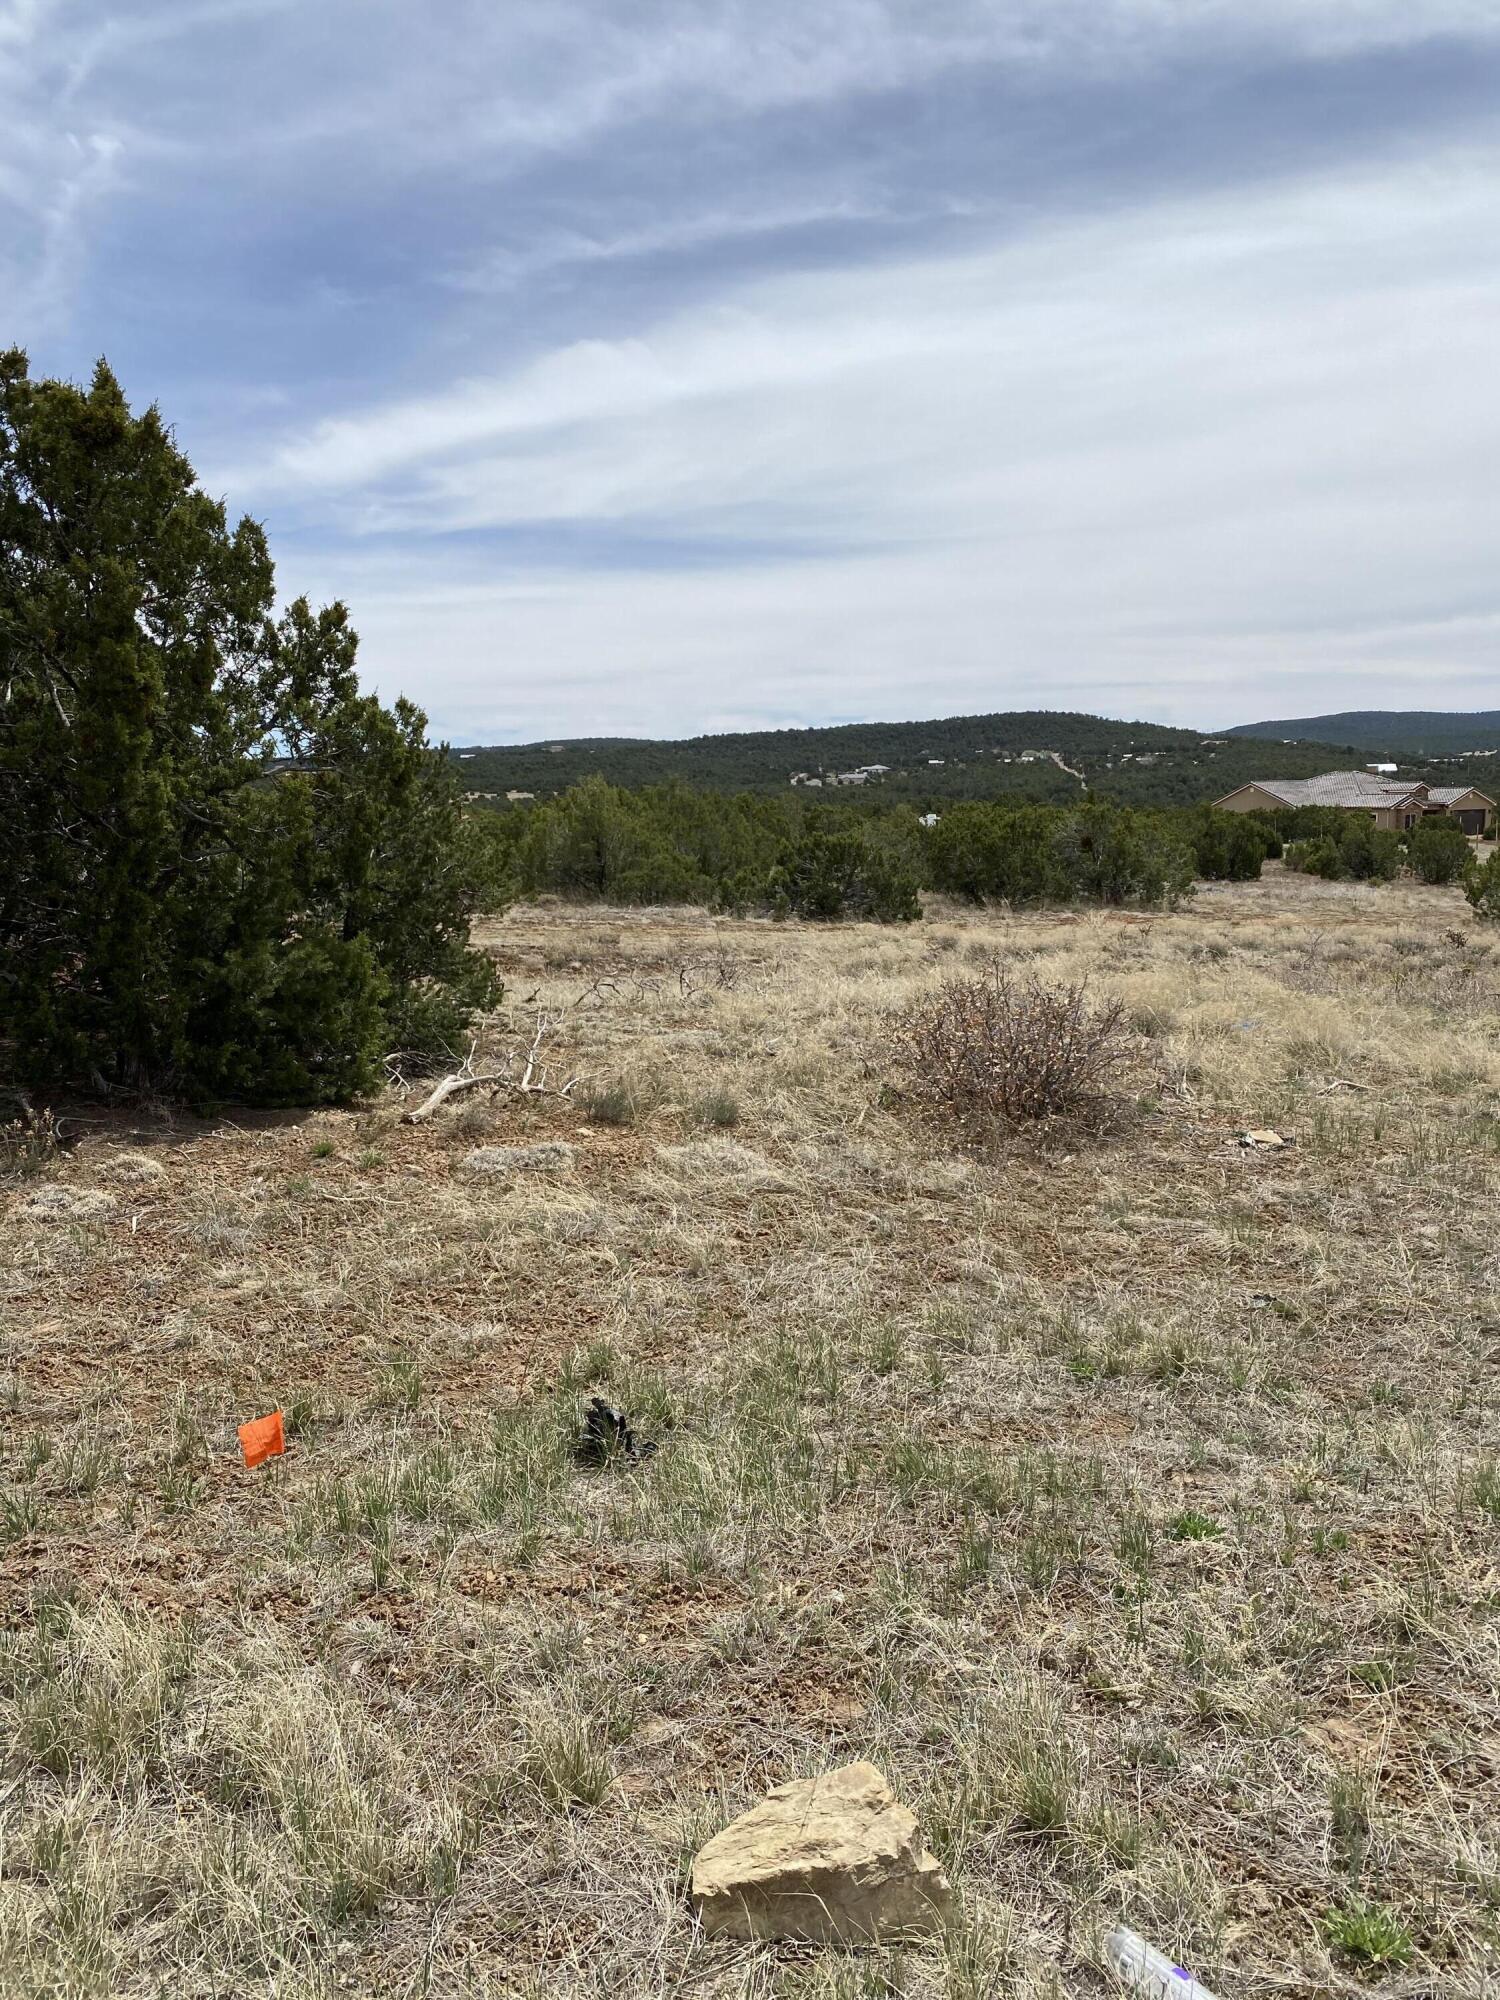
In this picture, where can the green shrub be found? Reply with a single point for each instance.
(1227, 847)
(1482, 887)
(1323, 857)
(228, 872)
(1355, 851)
(1438, 850)
(831, 875)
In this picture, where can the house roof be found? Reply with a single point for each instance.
(1339, 788)
(1449, 795)
(1358, 788)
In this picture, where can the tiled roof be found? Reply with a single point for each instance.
(1339, 788)
(1447, 795)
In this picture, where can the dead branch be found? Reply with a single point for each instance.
(535, 1079)
(450, 1087)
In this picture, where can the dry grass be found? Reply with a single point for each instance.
(1136, 1507)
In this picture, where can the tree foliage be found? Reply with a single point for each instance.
(1355, 850)
(1437, 850)
(1482, 887)
(227, 872)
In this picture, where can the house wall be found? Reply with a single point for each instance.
(1249, 799)
(1475, 813)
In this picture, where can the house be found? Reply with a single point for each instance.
(875, 770)
(1382, 770)
(1391, 802)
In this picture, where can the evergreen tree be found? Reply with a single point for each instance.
(226, 872)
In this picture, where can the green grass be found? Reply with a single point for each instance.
(1370, 1934)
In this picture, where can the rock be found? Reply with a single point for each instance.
(546, 1156)
(1272, 1141)
(831, 1860)
(55, 1203)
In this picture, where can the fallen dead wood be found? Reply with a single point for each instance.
(450, 1087)
(534, 1079)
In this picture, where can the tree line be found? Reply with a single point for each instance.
(228, 873)
(790, 856)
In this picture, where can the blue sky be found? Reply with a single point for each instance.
(633, 367)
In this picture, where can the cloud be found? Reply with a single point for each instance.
(870, 357)
(1160, 463)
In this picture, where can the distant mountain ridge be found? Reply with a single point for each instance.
(1040, 754)
(1416, 731)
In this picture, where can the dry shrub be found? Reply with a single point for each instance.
(28, 1145)
(997, 1052)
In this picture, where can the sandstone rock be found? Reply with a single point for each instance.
(1271, 1141)
(834, 1859)
(546, 1156)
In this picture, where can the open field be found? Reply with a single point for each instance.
(1134, 1503)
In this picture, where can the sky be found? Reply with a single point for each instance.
(648, 367)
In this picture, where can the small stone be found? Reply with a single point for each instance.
(546, 1156)
(834, 1859)
(1270, 1140)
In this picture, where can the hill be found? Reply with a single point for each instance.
(1028, 753)
(1417, 731)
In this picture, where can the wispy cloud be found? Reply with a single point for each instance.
(878, 356)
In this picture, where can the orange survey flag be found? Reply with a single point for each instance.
(262, 1438)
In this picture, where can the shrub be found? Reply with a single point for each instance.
(1227, 847)
(995, 1052)
(831, 875)
(1438, 850)
(1047, 854)
(28, 1144)
(1322, 857)
(1355, 850)
(1482, 887)
(228, 872)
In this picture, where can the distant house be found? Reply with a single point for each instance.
(936, 760)
(849, 778)
(874, 770)
(1391, 802)
(1383, 770)
(927, 819)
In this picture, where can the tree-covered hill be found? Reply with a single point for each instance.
(1034, 754)
(1417, 731)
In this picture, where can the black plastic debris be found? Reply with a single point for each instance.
(607, 1435)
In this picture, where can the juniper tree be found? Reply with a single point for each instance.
(225, 870)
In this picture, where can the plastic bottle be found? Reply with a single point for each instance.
(1145, 1970)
